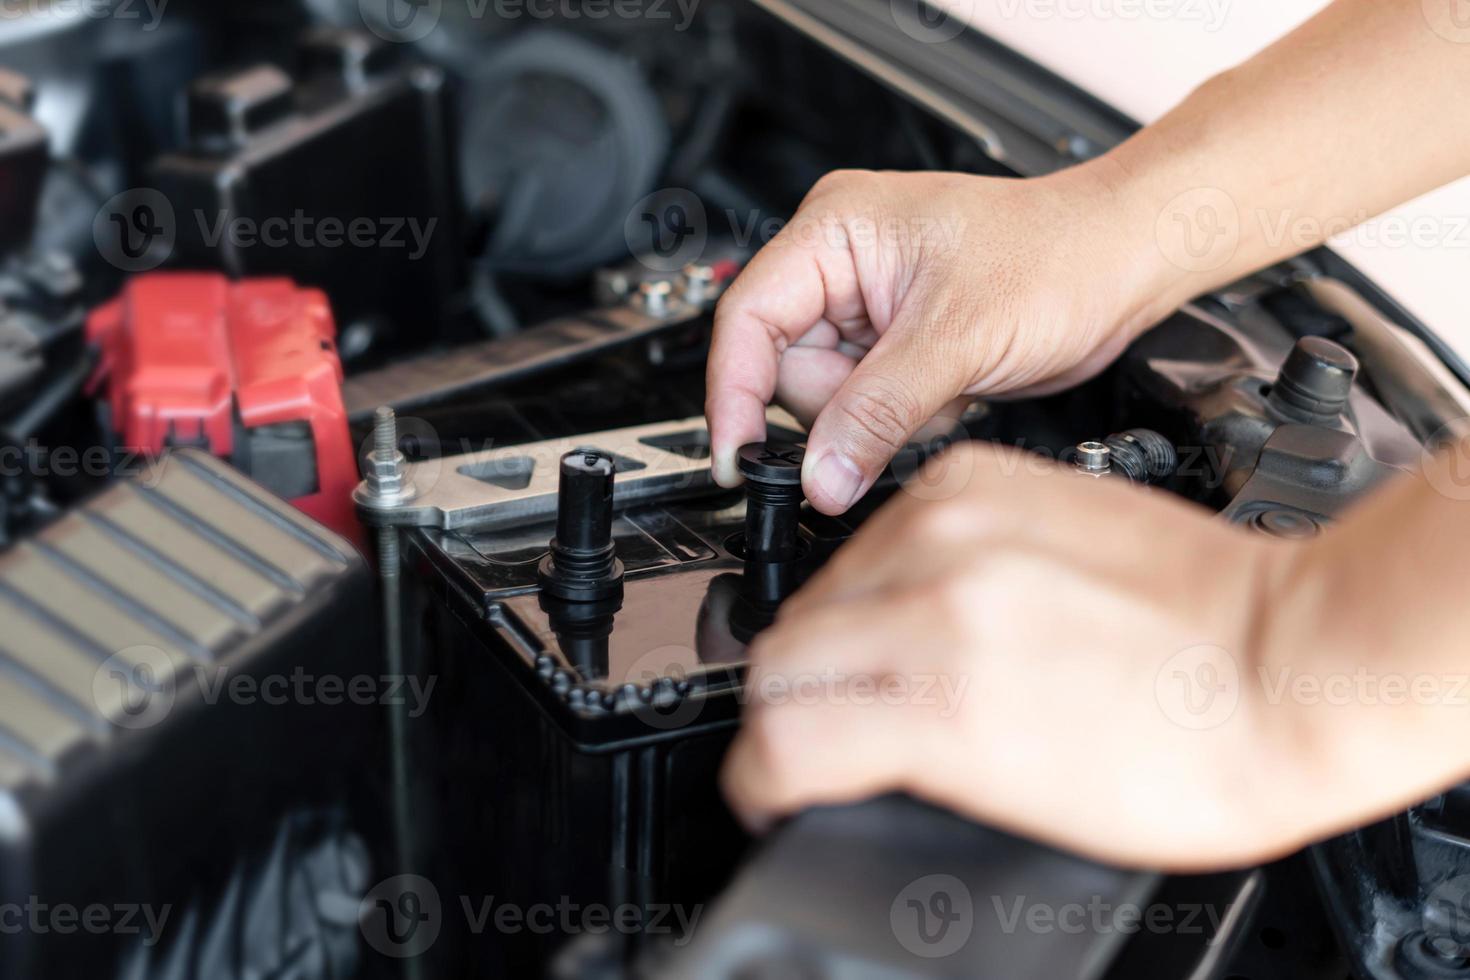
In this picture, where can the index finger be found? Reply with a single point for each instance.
(783, 293)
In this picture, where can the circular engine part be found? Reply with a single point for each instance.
(1282, 523)
(561, 139)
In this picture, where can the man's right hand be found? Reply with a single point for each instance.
(891, 297)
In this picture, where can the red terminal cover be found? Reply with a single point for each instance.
(196, 359)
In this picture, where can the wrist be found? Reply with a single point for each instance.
(1313, 698)
(1121, 236)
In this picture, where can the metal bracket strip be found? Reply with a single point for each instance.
(496, 488)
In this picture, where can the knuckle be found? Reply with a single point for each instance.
(767, 732)
(881, 415)
(990, 587)
(836, 181)
(961, 598)
(941, 521)
(947, 476)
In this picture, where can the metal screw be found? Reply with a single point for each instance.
(1094, 458)
(654, 297)
(385, 482)
(611, 286)
(385, 433)
(699, 282)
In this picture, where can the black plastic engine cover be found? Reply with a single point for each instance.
(155, 758)
(23, 161)
(341, 178)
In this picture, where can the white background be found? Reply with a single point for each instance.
(1144, 65)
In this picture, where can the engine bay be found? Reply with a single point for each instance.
(369, 606)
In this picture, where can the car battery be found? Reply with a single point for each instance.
(570, 766)
(246, 370)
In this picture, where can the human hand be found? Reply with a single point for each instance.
(1015, 652)
(890, 297)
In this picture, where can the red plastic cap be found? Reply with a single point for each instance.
(194, 359)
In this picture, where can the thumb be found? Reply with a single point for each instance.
(895, 389)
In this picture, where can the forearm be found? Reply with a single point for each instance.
(1364, 669)
(1337, 122)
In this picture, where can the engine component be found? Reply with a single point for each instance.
(1093, 458)
(1144, 456)
(937, 896)
(562, 138)
(1140, 455)
(1315, 381)
(772, 501)
(23, 162)
(570, 757)
(290, 909)
(385, 484)
(20, 356)
(1247, 451)
(771, 543)
(273, 182)
(623, 706)
(165, 672)
(582, 565)
(247, 370)
(40, 321)
(436, 377)
(515, 484)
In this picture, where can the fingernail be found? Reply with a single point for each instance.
(839, 479)
(725, 472)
